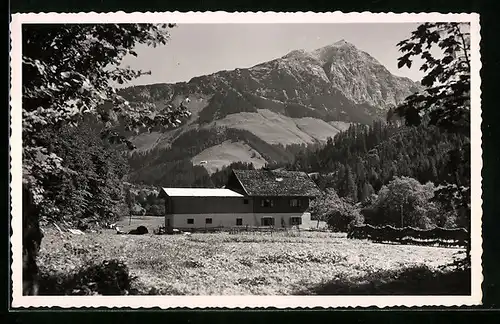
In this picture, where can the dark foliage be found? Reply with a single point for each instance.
(180, 173)
(111, 277)
(445, 102)
(67, 69)
(92, 189)
(223, 104)
(338, 213)
(149, 202)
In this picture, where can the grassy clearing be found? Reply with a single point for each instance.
(255, 263)
(226, 153)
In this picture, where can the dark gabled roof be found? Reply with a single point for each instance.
(276, 183)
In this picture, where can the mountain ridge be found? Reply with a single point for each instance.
(347, 55)
(334, 83)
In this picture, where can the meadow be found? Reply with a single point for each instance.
(281, 263)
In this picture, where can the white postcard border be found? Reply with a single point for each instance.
(18, 300)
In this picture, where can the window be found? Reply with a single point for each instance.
(295, 221)
(295, 203)
(208, 221)
(239, 221)
(190, 220)
(267, 203)
(245, 201)
(267, 221)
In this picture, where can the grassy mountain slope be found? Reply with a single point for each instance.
(218, 156)
(279, 129)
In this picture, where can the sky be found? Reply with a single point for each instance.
(200, 49)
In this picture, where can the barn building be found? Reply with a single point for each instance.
(250, 198)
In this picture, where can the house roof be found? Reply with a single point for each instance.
(276, 183)
(199, 192)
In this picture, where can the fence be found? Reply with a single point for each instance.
(410, 235)
(261, 229)
(232, 230)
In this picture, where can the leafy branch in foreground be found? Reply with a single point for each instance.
(446, 99)
(68, 72)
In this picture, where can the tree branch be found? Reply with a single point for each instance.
(464, 48)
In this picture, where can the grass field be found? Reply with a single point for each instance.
(258, 263)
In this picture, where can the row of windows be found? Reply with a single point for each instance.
(270, 203)
(207, 221)
(264, 221)
(239, 221)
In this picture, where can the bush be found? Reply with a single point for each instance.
(405, 202)
(339, 213)
(341, 221)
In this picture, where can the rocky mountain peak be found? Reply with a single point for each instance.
(358, 75)
(334, 82)
(342, 42)
(342, 51)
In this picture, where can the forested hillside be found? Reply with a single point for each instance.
(359, 161)
(172, 166)
(385, 172)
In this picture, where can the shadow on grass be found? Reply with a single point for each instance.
(419, 280)
(107, 278)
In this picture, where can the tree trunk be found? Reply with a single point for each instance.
(32, 238)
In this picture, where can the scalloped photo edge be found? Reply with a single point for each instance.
(228, 302)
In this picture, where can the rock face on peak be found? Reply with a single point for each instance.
(306, 90)
(361, 77)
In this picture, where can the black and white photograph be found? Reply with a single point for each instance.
(245, 160)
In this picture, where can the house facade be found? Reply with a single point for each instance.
(250, 198)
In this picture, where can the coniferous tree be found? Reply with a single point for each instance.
(350, 187)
